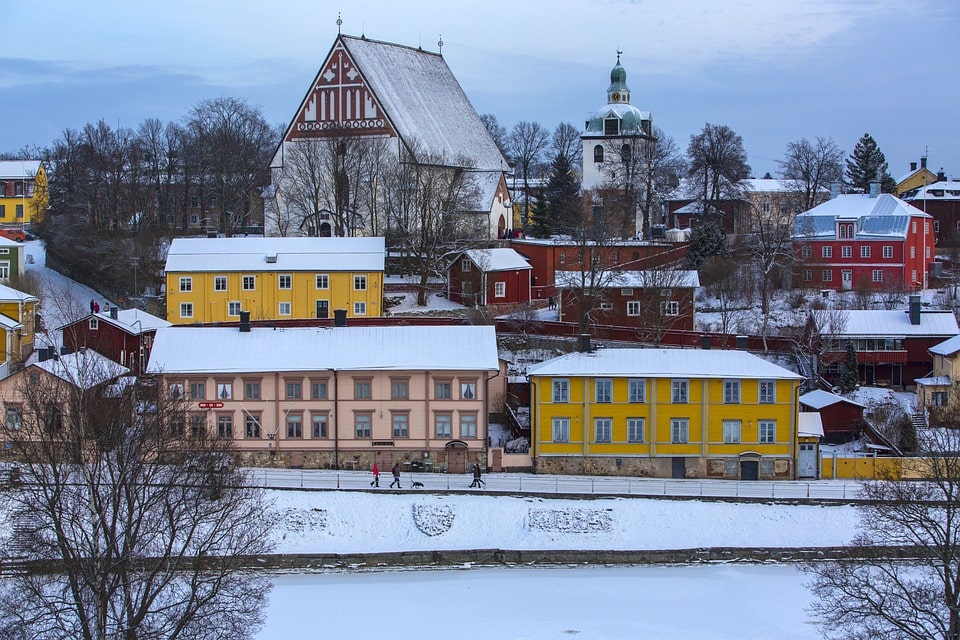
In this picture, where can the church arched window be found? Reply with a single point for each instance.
(625, 153)
(598, 153)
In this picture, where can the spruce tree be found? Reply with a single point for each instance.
(849, 376)
(706, 240)
(540, 225)
(866, 164)
(563, 195)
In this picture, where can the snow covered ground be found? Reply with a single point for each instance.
(543, 603)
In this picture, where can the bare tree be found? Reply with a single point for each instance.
(497, 131)
(231, 144)
(428, 204)
(527, 143)
(716, 163)
(903, 578)
(565, 142)
(133, 522)
(769, 247)
(811, 167)
(661, 304)
(722, 277)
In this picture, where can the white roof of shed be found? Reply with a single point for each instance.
(489, 260)
(809, 424)
(228, 350)
(667, 363)
(292, 254)
(818, 399)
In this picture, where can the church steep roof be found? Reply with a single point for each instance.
(424, 101)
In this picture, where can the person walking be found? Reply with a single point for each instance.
(396, 476)
(477, 480)
(376, 476)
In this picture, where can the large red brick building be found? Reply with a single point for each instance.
(867, 241)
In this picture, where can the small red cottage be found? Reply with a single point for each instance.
(483, 277)
(124, 336)
(842, 418)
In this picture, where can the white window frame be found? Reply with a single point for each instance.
(680, 391)
(865, 251)
(248, 282)
(603, 430)
(670, 308)
(220, 283)
(826, 252)
(499, 289)
(731, 431)
(359, 308)
(767, 431)
(322, 281)
(633, 307)
(877, 275)
(186, 284)
(636, 390)
(560, 429)
(767, 392)
(285, 279)
(846, 251)
(359, 283)
(186, 309)
(224, 391)
(806, 251)
(827, 275)
(465, 265)
(234, 308)
(636, 430)
(887, 251)
(561, 390)
(284, 308)
(603, 390)
(94, 324)
(731, 391)
(679, 431)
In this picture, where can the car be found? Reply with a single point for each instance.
(14, 234)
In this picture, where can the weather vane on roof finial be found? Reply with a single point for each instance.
(618, 55)
(440, 44)
(339, 22)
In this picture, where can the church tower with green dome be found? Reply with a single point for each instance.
(612, 134)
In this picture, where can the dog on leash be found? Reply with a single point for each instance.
(416, 485)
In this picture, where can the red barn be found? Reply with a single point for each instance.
(484, 277)
(124, 336)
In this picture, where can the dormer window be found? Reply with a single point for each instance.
(611, 126)
(845, 230)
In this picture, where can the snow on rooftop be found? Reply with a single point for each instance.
(809, 424)
(818, 399)
(489, 260)
(287, 254)
(399, 348)
(9, 293)
(947, 347)
(84, 369)
(424, 101)
(672, 363)
(19, 168)
(894, 323)
(663, 278)
(882, 216)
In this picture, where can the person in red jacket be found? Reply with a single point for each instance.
(376, 476)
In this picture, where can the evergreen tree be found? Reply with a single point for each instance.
(849, 376)
(867, 163)
(706, 240)
(563, 195)
(541, 224)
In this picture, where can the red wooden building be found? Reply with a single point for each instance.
(871, 241)
(483, 277)
(546, 257)
(124, 336)
(842, 418)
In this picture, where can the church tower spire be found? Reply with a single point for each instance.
(618, 92)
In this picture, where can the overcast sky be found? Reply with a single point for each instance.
(772, 70)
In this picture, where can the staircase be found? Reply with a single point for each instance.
(919, 420)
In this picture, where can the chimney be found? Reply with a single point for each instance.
(585, 346)
(915, 310)
(340, 318)
(114, 313)
(923, 162)
(65, 350)
(834, 189)
(941, 176)
(45, 353)
(913, 166)
(742, 343)
(704, 342)
(244, 322)
(874, 188)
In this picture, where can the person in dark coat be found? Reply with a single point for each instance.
(376, 476)
(396, 476)
(477, 480)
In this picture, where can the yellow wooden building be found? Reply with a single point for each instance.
(214, 279)
(18, 313)
(682, 413)
(23, 192)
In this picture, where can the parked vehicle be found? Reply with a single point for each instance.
(14, 234)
